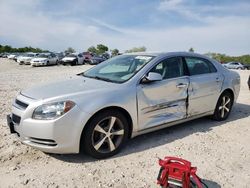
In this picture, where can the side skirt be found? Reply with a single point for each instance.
(162, 126)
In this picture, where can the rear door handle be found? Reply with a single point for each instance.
(181, 85)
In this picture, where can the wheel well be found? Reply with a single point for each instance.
(229, 91)
(115, 108)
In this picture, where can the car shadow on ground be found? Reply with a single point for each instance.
(210, 183)
(164, 136)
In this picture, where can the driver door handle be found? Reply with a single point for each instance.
(181, 85)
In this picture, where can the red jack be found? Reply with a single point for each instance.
(177, 172)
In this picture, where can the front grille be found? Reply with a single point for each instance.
(16, 119)
(46, 142)
(21, 104)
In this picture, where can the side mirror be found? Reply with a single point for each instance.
(151, 77)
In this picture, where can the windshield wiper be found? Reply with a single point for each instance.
(97, 78)
(101, 78)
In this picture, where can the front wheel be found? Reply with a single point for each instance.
(223, 107)
(105, 134)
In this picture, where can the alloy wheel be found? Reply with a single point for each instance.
(225, 106)
(108, 135)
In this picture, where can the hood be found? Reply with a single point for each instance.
(39, 59)
(68, 58)
(72, 86)
(24, 58)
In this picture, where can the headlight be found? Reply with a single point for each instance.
(53, 110)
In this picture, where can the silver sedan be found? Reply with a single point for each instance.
(125, 96)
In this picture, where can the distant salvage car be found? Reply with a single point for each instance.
(73, 59)
(44, 59)
(87, 56)
(11, 56)
(26, 58)
(125, 96)
(234, 65)
(96, 60)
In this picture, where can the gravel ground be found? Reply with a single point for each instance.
(220, 150)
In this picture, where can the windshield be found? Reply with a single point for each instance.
(118, 69)
(29, 55)
(43, 55)
(71, 55)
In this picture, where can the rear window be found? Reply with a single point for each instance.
(198, 66)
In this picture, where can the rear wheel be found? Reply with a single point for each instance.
(105, 134)
(223, 107)
(75, 62)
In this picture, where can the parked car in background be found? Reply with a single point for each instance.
(5, 55)
(87, 56)
(246, 66)
(234, 65)
(60, 55)
(26, 58)
(11, 56)
(96, 60)
(17, 55)
(45, 59)
(105, 56)
(123, 97)
(73, 59)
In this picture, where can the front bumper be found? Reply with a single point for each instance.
(38, 63)
(61, 135)
(68, 62)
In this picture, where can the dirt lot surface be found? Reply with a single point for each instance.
(220, 150)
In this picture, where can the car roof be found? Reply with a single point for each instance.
(166, 54)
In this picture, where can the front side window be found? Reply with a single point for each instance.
(198, 66)
(118, 69)
(169, 68)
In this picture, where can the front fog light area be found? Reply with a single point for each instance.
(52, 110)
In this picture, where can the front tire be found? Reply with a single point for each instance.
(223, 107)
(105, 134)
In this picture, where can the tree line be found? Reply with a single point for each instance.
(223, 58)
(9, 49)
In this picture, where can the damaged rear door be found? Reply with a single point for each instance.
(163, 101)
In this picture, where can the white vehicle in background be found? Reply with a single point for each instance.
(73, 59)
(44, 59)
(234, 65)
(26, 58)
(11, 56)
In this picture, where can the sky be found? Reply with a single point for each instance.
(159, 25)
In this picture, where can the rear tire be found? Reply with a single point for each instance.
(105, 134)
(223, 106)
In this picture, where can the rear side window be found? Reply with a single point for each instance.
(198, 66)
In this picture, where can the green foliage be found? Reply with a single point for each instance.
(99, 49)
(245, 59)
(69, 50)
(191, 49)
(114, 52)
(137, 49)
(92, 49)
(9, 49)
